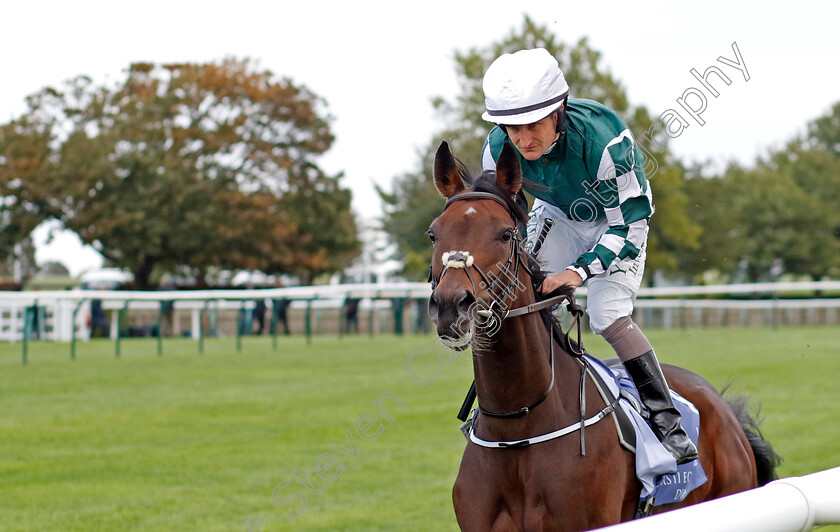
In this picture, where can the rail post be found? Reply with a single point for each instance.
(201, 315)
(308, 322)
(28, 317)
(119, 326)
(73, 329)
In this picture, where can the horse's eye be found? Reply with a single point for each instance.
(431, 235)
(507, 235)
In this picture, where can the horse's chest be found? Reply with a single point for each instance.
(541, 488)
(515, 491)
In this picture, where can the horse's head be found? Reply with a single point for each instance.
(477, 247)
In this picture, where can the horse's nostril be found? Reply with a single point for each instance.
(465, 304)
(450, 306)
(434, 306)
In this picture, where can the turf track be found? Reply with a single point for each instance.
(189, 441)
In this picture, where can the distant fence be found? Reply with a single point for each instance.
(786, 505)
(68, 316)
(754, 304)
(368, 309)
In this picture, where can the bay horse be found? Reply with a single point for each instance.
(528, 383)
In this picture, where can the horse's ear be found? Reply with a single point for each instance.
(508, 172)
(447, 177)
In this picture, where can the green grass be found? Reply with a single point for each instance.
(189, 441)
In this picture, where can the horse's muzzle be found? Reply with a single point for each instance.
(452, 311)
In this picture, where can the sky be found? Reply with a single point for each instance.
(378, 64)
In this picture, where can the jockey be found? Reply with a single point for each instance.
(589, 221)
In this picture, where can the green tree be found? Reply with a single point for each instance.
(180, 165)
(778, 220)
(408, 211)
(321, 210)
(19, 265)
(812, 162)
(410, 206)
(824, 132)
(711, 206)
(761, 217)
(53, 268)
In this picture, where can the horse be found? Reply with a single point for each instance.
(529, 382)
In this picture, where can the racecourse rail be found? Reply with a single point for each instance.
(63, 315)
(786, 505)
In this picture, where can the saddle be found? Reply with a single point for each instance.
(662, 481)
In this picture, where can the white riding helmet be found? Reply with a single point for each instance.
(523, 88)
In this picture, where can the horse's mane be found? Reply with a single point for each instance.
(486, 182)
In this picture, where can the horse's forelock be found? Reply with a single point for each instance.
(486, 182)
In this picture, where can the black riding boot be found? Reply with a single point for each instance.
(664, 416)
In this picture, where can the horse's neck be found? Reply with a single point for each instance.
(513, 369)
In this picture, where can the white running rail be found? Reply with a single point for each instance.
(786, 505)
(61, 306)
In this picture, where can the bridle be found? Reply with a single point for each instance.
(463, 260)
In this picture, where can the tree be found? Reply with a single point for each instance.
(321, 211)
(824, 132)
(778, 220)
(408, 211)
(180, 165)
(783, 211)
(19, 265)
(812, 162)
(721, 239)
(24, 159)
(411, 205)
(53, 268)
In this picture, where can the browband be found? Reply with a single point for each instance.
(478, 196)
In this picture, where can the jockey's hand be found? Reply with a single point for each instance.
(567, 278)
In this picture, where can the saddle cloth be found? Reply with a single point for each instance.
(657, 471)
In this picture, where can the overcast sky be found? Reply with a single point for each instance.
(377, 64)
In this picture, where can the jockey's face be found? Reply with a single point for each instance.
(532, 140)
